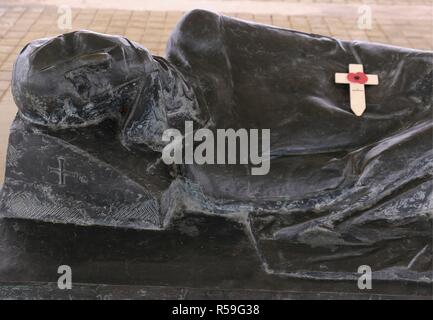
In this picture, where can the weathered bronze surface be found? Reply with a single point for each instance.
(85, 185)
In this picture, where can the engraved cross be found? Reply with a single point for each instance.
(62, 172)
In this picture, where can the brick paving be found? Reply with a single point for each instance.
(21, 23)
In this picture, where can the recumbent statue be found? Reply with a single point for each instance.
(342, 190)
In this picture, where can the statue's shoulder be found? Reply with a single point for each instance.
(198, 23)
(197, 31)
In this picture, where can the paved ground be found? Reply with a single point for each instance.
(405, 23)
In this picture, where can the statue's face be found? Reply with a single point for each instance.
(79, 78)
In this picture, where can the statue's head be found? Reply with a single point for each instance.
(78, 79)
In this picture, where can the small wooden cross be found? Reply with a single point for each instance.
(356, 78)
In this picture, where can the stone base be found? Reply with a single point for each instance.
(217, 263)
(50, 291)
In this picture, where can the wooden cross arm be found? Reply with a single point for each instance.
(342, 78)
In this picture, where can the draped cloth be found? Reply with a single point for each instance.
(342, 190)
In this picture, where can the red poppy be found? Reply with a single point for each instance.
(359, 77)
